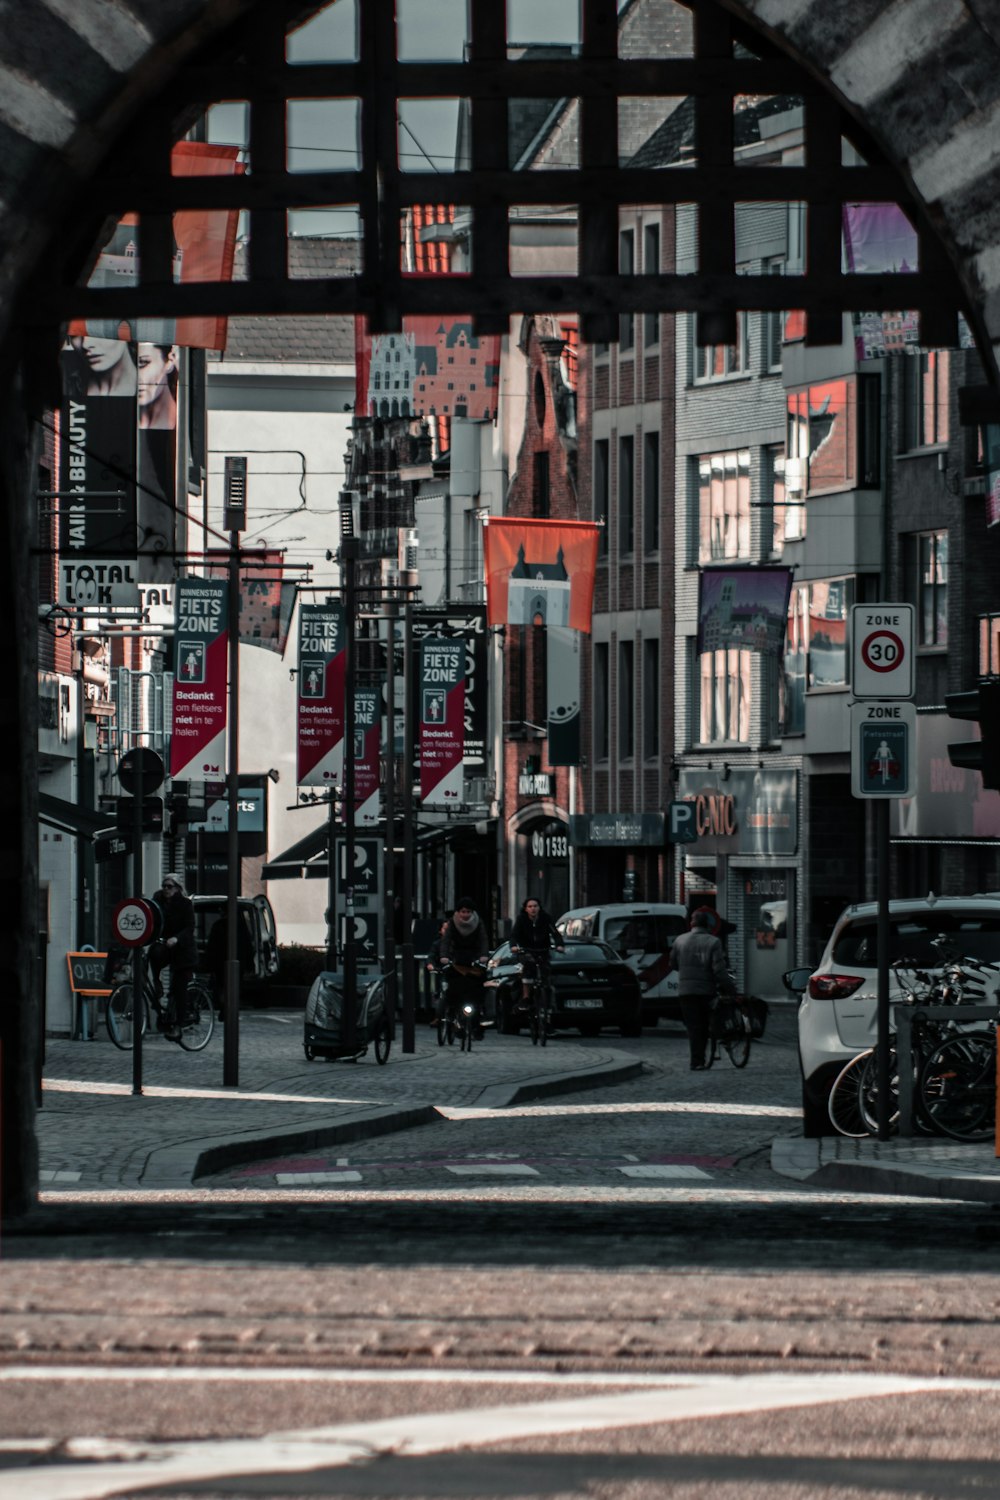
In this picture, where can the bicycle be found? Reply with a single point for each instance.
(195, 1027)
(460, 1017)
(957, 1087)
(729, 1030)
(541, 1009)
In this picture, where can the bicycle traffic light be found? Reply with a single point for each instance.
(982, 706)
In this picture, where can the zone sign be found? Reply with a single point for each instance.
(882, 663)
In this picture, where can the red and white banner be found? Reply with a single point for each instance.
(322, 668)
(367, 744)
(201, 646)
(540, 572)
(442, 720)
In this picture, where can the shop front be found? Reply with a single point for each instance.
(744, 862)
(618, 852)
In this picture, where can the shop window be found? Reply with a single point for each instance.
(723, 506)
(724, 697)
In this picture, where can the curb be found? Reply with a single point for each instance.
(801, 1159)
(506, 1095)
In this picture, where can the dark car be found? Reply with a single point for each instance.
(591, 988)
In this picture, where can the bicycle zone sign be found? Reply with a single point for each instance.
(133, 922)
(882, 663)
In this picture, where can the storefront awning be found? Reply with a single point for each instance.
(305, 860)
(81, 822)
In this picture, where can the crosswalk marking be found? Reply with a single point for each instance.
(494, 1169)
(659, 1169)
(296, 1179)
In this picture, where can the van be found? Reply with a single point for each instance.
(257, 937)
(642, 933)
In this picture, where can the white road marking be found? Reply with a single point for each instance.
(112, 1467)
(493, 1169)
(525, 1193)
(49, 1176)
(156, 1091)
(662, 1169)
(299, 1179)
(648, 1107)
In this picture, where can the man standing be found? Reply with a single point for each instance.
(701, 972)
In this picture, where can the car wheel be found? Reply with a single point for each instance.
(590, 1028)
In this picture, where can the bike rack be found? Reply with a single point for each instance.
(905, 1015)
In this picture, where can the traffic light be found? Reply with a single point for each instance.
(982, 705)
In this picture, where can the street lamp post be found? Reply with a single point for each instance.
(234, 522)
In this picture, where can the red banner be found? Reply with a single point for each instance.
(434, 365)
(540, 572)
(367, 737)
(322, 667)
(442, 720)
(201, 645)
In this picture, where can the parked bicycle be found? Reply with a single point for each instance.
(193, 1030)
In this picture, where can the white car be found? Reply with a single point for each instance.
(838, 1010)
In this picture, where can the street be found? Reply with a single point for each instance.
(608, 1292)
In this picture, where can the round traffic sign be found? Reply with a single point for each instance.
(134, 922)
(141, 763)
(883, 651)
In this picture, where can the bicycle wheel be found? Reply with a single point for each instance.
(442, 1029)
(844, 1105)
(534, 1026)
(958, 1086)
(198, 1021)
(738, 1044)
(543, 1026)
(120, 1017)
(868, 1092)
(383, 1042)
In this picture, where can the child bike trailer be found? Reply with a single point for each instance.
(324, 1033)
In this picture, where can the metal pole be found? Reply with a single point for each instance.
(409, 977)
(138, 955)
(231, 1040)
(348, 560)
(882, 944)
(389, 852)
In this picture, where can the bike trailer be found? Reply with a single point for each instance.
(325, 1014)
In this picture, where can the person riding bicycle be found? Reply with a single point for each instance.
(463, 943)
(176, 946)
(533, 936)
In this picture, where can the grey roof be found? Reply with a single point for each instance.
(674, 139)
(320, 339)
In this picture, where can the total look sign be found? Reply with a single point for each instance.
(322, 669)
(198, 739)
(883, 726)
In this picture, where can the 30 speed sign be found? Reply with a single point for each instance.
(882, 651)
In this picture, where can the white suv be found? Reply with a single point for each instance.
(838, 1010)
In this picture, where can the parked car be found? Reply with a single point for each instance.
(591, 988)
(838, 1010)
(641, 933)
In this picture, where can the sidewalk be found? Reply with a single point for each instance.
(95, 1134)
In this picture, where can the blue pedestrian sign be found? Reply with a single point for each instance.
(883, 746)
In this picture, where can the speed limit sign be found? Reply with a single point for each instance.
(882, 651)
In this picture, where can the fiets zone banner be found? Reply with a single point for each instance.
(201, 646)
(367, 737)
(442, 720)
(322, 668)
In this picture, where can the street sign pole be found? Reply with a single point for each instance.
(138, 988)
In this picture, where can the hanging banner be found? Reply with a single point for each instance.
(367, 745)
(466, 623)
(563, 687)
(322, 667)
(201, 646)
(97, 449)
(434, 365)
(266, 601)
(204, 250)
(743, 609)
(540, 572)
(442, 720)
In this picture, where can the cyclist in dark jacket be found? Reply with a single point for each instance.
(533, 935)
(463, 942)
(176, 946)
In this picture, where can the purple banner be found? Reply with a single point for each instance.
(743, 608)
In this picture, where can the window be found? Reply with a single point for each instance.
(626, 267)
(724, 699)
(602, 490)
(773, 323)
(540, 492)
(626, 494)
(815, 647)
(650, 698)
(626, 700)
(723, 506)
(717, 361)
(821, 447)
(650, 267)
(931, 549)
(651, 492)
(539, 676)
(787, 523)
(925, 399)
(600, 700)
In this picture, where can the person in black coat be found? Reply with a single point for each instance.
(463, 942)
(175, 946)
(533, 936)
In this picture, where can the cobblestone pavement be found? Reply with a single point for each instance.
(291, 1119)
